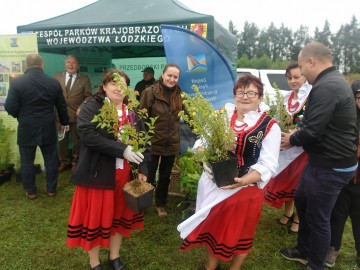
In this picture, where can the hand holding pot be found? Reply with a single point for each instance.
(142, 177)
(208, 171)
(135, 157)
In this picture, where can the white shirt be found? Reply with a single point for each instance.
(209, 195)
(67, 78)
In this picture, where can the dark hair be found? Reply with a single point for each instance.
(355, 86)
(246, 80)
(291, 66)
(109, 77)
(175, 98)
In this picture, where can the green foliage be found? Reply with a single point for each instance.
(190, 170)
(210, 125)
(278, 110)
(282, 44)
(263, 62)
(108, 119)
(5, 146)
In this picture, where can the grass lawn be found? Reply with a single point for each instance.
(32, 237)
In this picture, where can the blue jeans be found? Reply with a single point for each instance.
(314, 200)
(27, 157)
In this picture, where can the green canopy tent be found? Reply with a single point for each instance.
(126, 29)
(109, 30)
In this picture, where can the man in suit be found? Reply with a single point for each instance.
(76, 88)
(31, 99)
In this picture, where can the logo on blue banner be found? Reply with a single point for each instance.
(201, 64)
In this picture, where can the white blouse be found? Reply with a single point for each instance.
(209, 195)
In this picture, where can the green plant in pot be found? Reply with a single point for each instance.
(138, 193)
(6, 167)
(190, 170)
(214, 130)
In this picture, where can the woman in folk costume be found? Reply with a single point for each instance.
(280, 191)
(99, 216)
(226, 218)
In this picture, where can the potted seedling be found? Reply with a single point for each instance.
(190, 170)
(6, 167)
(213, 128)
(138, 194)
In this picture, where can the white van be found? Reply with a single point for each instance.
(268, 78)
(242, 71)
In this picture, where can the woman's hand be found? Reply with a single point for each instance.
(240, 182)
(200, 149)
(142, 177)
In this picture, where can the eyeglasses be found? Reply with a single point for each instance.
(249, 94)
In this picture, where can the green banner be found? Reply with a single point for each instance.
(13, 51)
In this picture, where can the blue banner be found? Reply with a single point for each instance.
(200, 63)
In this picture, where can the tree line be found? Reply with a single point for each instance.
(274, 47)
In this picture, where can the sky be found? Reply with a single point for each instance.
(311, 13)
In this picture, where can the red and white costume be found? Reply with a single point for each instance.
(291, 161)
(225, 220)
(97, 214)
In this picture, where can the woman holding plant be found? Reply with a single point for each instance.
(281, 188)
(99, 216)
(226, 217)
(163, 100)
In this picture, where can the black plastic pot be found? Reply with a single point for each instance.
(5, 177)
(11, 168)
(141, 203)
(225, 171)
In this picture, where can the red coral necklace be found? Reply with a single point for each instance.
(237, 128)
(292, 107)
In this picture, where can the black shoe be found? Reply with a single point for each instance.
(291, 218)
(294, 232)
(293, 254)
(116, 264)
(64, 167)
(98, 267)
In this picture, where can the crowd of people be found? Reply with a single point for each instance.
(311, 170)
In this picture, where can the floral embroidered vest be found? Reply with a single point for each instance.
(248, 143)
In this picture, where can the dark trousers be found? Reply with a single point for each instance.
(27, 157)
(347, 204)
(162, 187)
(315, 198)
(63, 147)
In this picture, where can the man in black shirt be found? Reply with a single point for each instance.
(328, 135)
(148, 79)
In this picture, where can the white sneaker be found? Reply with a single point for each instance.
(331, 256)
(161, 211)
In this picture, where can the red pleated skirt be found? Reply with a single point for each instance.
(97, 214)
(282, 188)
(230, 226)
